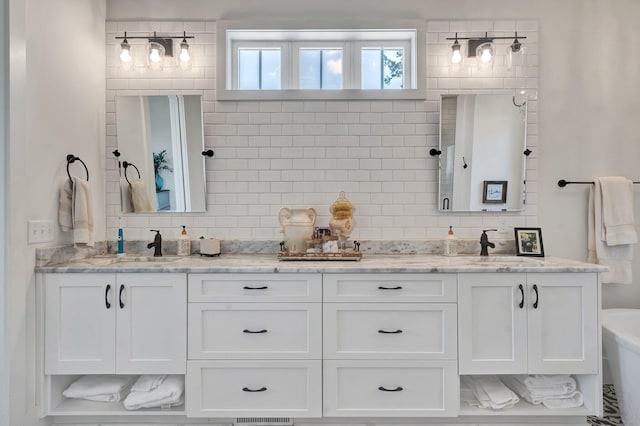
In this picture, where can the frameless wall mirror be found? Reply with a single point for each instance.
(482, 160)
(161, 142)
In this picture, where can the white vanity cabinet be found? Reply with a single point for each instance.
(535, 323)
(255, 345)
(389, 345)
(108, 323)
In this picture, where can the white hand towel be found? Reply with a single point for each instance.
(558, 384)
(139, 196)
(558, 391)
(82, 205)
(617, 211)
(99, 388)
(574, 400)
(65, 209)
(169, 393)
(617, 258)
(148, 382)
(491, 392)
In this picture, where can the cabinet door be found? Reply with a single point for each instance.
(492, 334)
(80, 323)
(563, 325)
(151, 323)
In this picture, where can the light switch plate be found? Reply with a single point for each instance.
(40, 231)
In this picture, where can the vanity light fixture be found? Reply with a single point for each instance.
(515, 54)
(483, 49)
(158, 48)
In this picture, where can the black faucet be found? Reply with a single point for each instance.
(157, 243)
(484, 242)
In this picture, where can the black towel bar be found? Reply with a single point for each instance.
(71, 159)
(562, 183)
(126, 164)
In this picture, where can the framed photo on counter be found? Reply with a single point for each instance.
(529, 242)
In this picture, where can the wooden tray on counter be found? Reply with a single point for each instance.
(320, 256)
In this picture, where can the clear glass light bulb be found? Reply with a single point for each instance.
(125, 55)
(486, 55)
(154, 56)
(184, 55)
(456, 57)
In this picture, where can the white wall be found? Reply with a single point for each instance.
(57, 107)
(588, 102)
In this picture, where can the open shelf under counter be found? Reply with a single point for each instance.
(57, 404)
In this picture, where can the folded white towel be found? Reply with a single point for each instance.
(139, 196)
(148, 382)
(99, 388)
(82, 212)
(574, 400)
(617, 258)
(167, 394)
(490, 392)
(617, 211)
(542, 389)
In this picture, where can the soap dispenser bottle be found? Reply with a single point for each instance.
(120, 237)
(451, 243)
(184, 243)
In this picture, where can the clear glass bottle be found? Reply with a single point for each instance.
(450, 243)
(184, 243)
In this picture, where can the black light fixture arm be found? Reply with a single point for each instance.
(486, 37)
(147, 37)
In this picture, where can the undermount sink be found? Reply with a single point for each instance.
(111, 260)
(506, 260)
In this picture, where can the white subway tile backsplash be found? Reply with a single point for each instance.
(302, 153)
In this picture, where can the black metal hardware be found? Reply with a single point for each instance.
(208, 153)
(485, 38)
(398, 389)
(156, 244)
(154, 36)
(263, 287)
(433, 152)
(527, 152)
(106, 296)
(445, 203)
(120, 296)
(356, 246)
(254, 332)
(262, 389)
(126, 164)
(464, 162)
(521, 304)
(281, 245)
(72, 159)
(562, 183)
(389, 332)
(535, 304)
(484, 242)
(398, 287)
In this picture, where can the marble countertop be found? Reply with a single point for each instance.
(261, 263)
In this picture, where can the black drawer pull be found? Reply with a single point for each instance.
(246, 287)
(106, 296)
(262, 389)
(390, 332)
(398, 389)
(254, 332)
(521, 304)
(120, 296)
(535, 304)
(381, 287)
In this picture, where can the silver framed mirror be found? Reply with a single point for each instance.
(161, 142)
(482, 161)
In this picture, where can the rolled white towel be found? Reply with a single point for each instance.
(99, 388)
(491, 392)
(572, 401)
(169, 393)
(148, 382)
(560, 396)
(549, 385)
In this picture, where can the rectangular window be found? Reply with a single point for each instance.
(320, 69)
(381, 68)
(259, 69)
(343, 64)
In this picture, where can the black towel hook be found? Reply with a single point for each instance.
(126, 164)
(71, 159)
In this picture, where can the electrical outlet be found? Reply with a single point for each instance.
(40, 231)
(503, 225)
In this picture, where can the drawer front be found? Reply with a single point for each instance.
(390, 288)
(388, 330)
(250, 330)
(254, 388)
(391, 389)
(240, 287)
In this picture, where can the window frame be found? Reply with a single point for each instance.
(258, 45)
(293, 37)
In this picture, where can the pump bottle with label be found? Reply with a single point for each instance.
(184, 243)
(451, 243)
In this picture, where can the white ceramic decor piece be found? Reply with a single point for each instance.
(297, 227)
